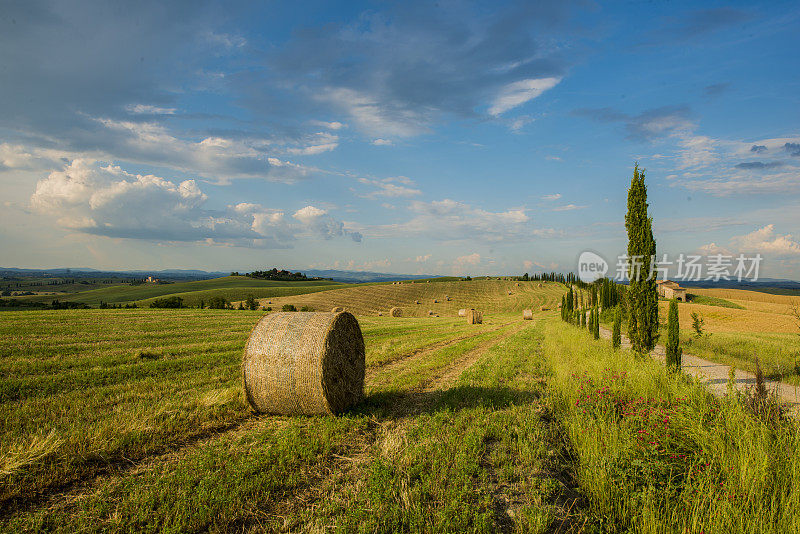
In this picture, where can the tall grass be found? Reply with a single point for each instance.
(654, 452)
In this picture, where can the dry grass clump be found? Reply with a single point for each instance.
(304, 363)
(474, 317)
(527, 315)
(396, 312)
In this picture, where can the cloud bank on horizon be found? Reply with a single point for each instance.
(465, 137)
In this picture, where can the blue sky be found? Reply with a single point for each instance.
(455, 138)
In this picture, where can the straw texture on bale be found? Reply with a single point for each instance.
(304, 363)
(474, 317)
(337, 309)
(396, 312)
(527, 315)
(462, 312)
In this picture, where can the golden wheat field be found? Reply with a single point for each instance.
(489, 296)
(762, 312)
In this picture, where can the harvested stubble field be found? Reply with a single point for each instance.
(133, 420)
(489, 296)
(760, 325)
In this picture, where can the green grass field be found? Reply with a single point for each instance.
(134, 420)
(230, 287)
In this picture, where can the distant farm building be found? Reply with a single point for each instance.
(152, 280)
(671, 290)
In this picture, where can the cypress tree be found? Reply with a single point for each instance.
(596, 324)
(642, 292)
(563, 307)
(616, 334)
(674, 351)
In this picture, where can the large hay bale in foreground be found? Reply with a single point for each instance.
(337, 309)
(396, 312)
(474, 317)
(304, 363)
(462, 312)
(527, 315)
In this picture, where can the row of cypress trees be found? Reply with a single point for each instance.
(641, 294)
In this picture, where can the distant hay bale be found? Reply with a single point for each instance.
(448, 299)
(544, 308)
(517, 284)
(474, 317)
(304, 363)
(435, 301)
(527, 315)
(540, 285)
(337, 309)
(462, 312)
(430, 312)
(396, 312)
(510, 293)
(380, 314)
(417, 302)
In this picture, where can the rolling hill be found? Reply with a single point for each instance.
(489, 296)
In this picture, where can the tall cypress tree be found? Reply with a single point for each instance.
(642, 292)
(674, 351)
(596, 324)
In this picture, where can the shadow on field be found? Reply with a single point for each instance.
(398, 403)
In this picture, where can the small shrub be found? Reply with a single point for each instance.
(168, 302)
(288, 308)
(218, 303)
(697, 324)
(307, 309)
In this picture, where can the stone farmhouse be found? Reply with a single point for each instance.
(671, 290)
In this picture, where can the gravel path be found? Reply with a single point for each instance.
(715, 375)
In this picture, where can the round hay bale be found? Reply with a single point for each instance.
(337, 309)
(544, 308)
(462, 312)
(304, 363)
(380, 314)
(510, 293)
(517, 284)
(540, 285)
(430, 312)
(417, 302)
(435, 301)
(448, 299)
(396, 312)
(527, 315)
(474, 317)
